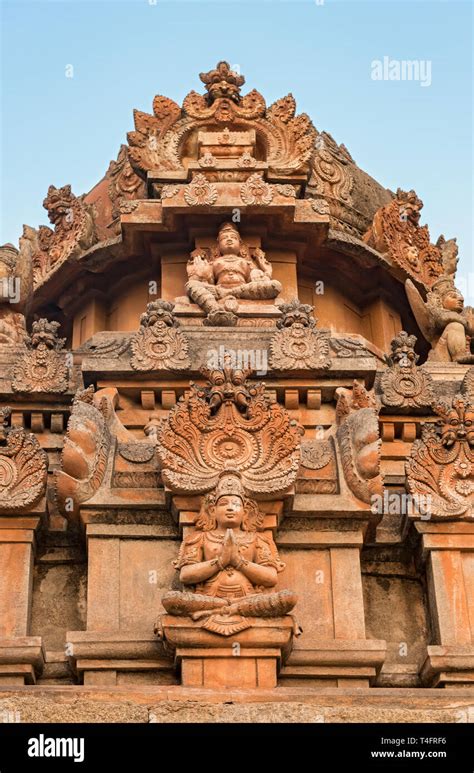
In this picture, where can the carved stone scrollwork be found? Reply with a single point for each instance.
(359, 441)
(404, 384)
(396, 232)
(125, 185)
(23, 469)
(43, 367)
(159, 344)
(297, 344)
(441, 466)
(229, 425)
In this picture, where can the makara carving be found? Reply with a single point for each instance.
(396, 232)
(23, 469)
(229, 424)
(404, 385)
(43, 367)
(229, 563)
(231, 271)
(441, 466)
(159, 344)
(73, 232)
(297, 344)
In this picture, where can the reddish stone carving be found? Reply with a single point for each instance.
(441, 466)
(159, 344)
(318, 471)
(330, 173)
(229, 425)
(230, 564)
(403, 384)
(200, 191)
(125, 185)
(359, 441)
(467, 387)
(297, 344)
(444, 321)
(15, 289)
(23, 469)
(42, 368)
(159, 140)
(396, 232)
(73, 231)
(86, 449)
(256, 191)
(230, 271)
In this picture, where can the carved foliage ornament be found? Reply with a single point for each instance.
(159, 344)
(404, 384)
(297, 344)
(331, 174)
(200, 191)
(159, 140)
(228, 425)
(42, 368)
(441, 465)
(125, 185)
(23, 469)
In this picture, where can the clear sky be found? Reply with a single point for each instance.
(58, 129)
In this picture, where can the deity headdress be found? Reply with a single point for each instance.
(229, 484)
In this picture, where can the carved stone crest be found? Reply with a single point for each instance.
(23, 469)
(159, 344)
(396, 232)
(256, 191)
(404, 384)
(441, 465)
(43, 367)
(229, 424)
(200, 191)
(297, 344)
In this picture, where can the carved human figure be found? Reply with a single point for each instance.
(443, 320)
(230, 271)
(229, 562)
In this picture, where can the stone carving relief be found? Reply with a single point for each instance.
(256, 191)
(200, 191)
(229, 563)
(404, 385)
(444, 320)
(15, 288)
(297, 344)
(86, 448)
(159, 141)
(441, 465)
(318, 471)
(467, 387)
(359, 441)
(23, 469)
(330, 170)
(229, 425)
(73, 231)
(221, 276)
(396, 232)
(124, 183)
(43, 367)
(159, 344)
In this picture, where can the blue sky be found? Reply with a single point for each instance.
(62, 130)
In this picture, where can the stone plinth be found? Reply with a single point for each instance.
(248, 659)
(449, 551)
(21, 660)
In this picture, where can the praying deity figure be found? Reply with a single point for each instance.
(230, 564)
(220, 276)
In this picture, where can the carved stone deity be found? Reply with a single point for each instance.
(443, 320)
(229, 564)
(231, 271)
(404, 385)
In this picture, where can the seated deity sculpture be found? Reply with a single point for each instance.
(230, 565)
(231, 271)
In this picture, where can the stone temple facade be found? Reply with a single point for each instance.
(236, 437)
